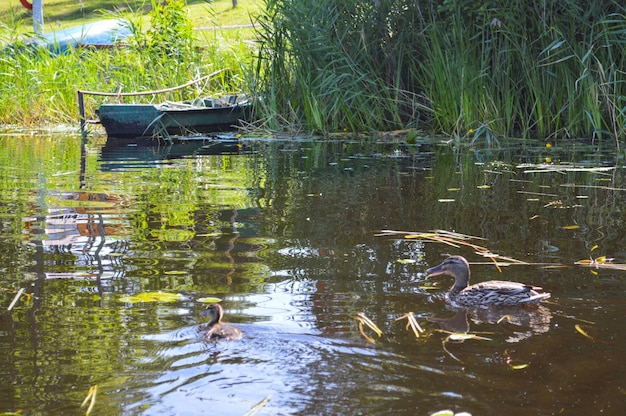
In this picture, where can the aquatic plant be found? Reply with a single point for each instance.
(332, 66)
(516, 68)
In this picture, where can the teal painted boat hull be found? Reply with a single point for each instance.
(172, 119)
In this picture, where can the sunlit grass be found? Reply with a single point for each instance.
(40, 88)
(59, 14)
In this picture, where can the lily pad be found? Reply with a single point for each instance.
(210, 300)
(152, 297)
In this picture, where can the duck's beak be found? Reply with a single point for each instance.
(204, 312)
(435, 271)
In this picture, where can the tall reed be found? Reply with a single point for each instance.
(543, 69)
(325, 65)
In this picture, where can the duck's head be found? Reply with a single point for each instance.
(215, 312)
(455, 266)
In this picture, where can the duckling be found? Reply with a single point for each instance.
(490, 293)
(216, 329)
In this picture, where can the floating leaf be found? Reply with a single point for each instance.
(459, 336)
(446, 200)
(454, 189)
(210, 300)
(258, 406)
(484, 187)
(570, 227)
(509, 362)
(601, 262)
(367, 337)
(367, 321)
(593, 248)
(17, 296)
(582, 332)
(412, 322)
(406, 261)
(152, 297)
(462, 337)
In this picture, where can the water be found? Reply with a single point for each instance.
(286, 233)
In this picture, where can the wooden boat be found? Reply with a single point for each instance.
(173, 118)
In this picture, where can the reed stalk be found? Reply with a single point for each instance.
(549, 69)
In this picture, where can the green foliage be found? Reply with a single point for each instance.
(37, 87)
(517, 68)
(331, 66)
(171, 31)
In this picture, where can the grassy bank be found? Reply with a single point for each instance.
(60, 14)
(476, 70)
(550, 68)
(39, 88)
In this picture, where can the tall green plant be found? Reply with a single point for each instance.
(506, 67)
(326, 66)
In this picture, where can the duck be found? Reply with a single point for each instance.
(216, 329)
(490, 293)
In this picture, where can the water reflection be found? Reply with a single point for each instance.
(80, 224)
(286, 234)
(530, 320)
(126, 154)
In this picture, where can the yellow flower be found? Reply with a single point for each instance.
(470, 131)
(548, 160)
(548, 145)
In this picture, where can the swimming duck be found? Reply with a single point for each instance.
(216, 329)
(491, 293)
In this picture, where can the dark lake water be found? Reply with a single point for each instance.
(287, 234)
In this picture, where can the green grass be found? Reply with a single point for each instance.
(479, 71)
(59, 14)
(549, 69)
(39, 88)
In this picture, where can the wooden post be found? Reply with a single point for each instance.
(81, 110)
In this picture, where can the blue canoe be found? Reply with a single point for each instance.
(104, 33)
